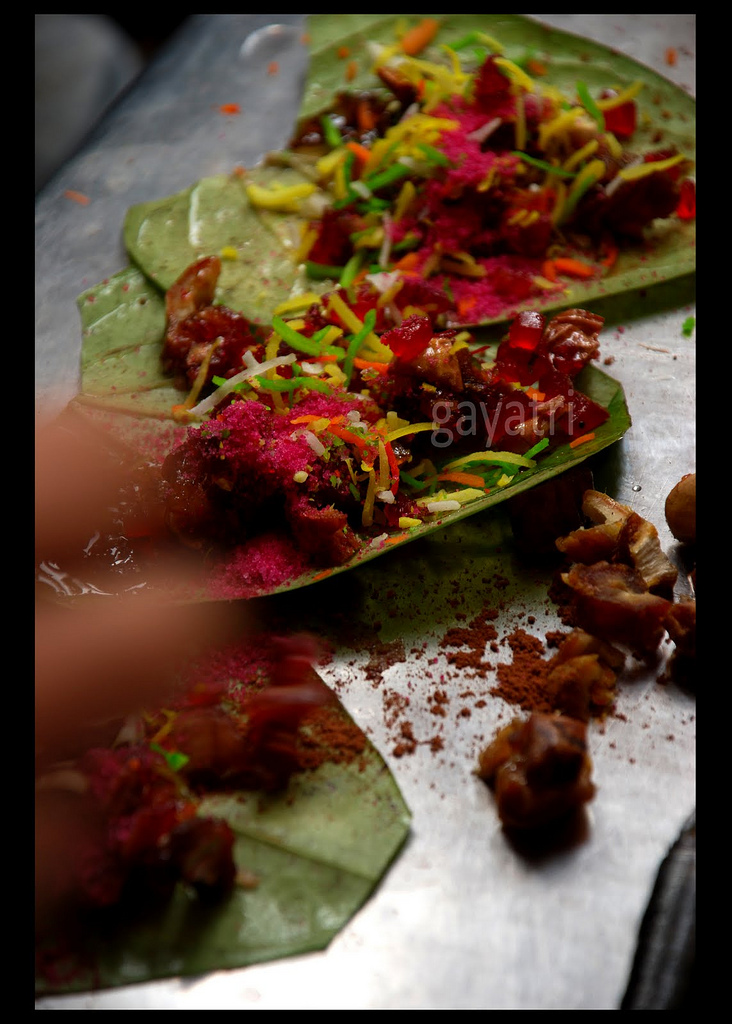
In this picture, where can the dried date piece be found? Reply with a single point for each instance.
(582, 675)
(619, 534)
(539, 770)
(612, 601)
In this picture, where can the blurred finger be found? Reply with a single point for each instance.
(78, 475)
(105, 660)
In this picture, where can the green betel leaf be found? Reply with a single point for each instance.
(315, 852)
(667, 117)
(166, 236)
(123, 382)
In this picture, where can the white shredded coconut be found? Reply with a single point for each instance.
(617, 181)
(213, 400)
(443, 506)
(409, 112)
(386, 496)
(385, 251)
(485, 130)
(361, 188)
(384, 280)
(378, 541)
(317, 446)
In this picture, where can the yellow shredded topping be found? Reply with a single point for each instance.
(367, 515)
(286, 199)
(515, 73)
(622, 97)
(581, 154)
(303, 301)
(641, 170)
(411, 428)
(559, 125)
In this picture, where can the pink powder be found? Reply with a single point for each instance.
(265, 562)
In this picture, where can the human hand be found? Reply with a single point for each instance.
(97, 659)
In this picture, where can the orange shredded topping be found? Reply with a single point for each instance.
(310, 418)
(368, 364)
(671, 56)
(571, 267)
(536, 67)
(549, 270)
(359, 151)
(408, 262)
(322, 575)
(466, 304)
(612, 254)
(417, 38)
(343, 52)
(230, 108)
(534, 395)
(581, 440)
(77, 197)
(348, 435)
(365, 117)
(393, 467)
(273, 67)
(351, 70)
(469, 479)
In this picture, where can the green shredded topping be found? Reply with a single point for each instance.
(435, 156)
(538, 447)
(412, 481)
(351, 269)
(590, 106)
(175, 759)
(322, 271)
(687, 328)
(543, 165)
(356, 341)
(313, 383)
(387, 177)
(330, 132)
(294, 339)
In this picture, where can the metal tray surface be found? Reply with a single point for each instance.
(463, 920)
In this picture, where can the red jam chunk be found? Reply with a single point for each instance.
(686, 210)
(411, 338)
(526, 330)
(620, 120)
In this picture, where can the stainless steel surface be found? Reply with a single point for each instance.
(462, 920)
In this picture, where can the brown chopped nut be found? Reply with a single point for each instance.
(612, 601)
(601, 508)
(681, 509)
(539, 770)
(591, 544)
(619, 535)
(639, 545)
(582, 675)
